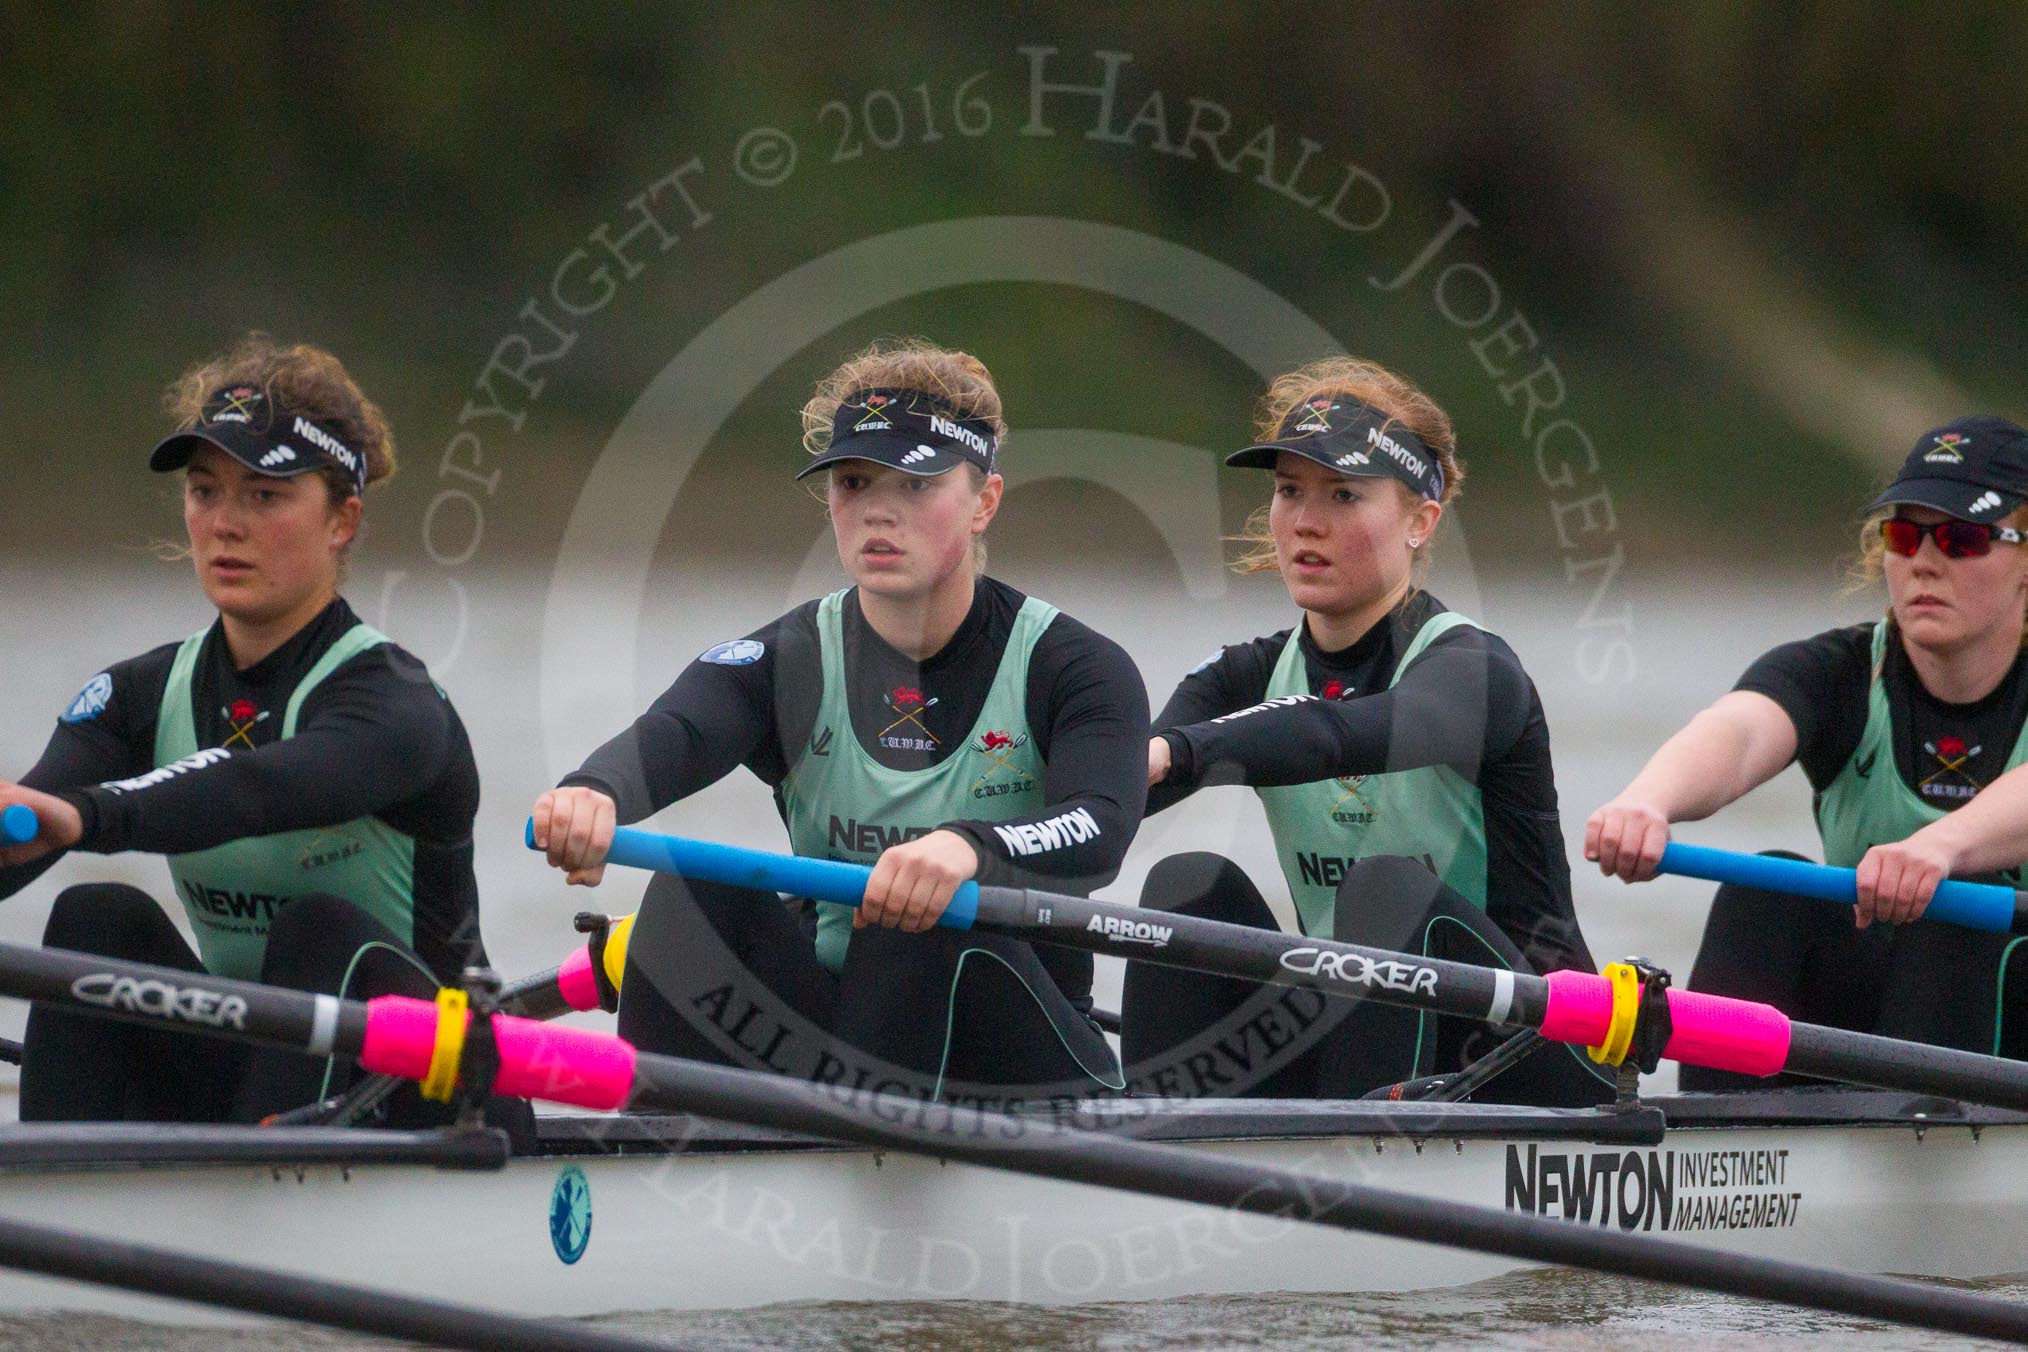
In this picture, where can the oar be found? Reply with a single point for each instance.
(166, 1272)
(582, 982)
(1574, 1007)
(1983, 906)
(398, 1035)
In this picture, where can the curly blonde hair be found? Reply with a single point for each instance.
(1370, 383)
(958, 379)
(301, 379)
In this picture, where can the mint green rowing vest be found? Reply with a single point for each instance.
(840, 803)
(1323, 828)
(1857, 811)
(232, 891)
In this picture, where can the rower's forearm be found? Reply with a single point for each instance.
(1990, 832)
(1704, 767)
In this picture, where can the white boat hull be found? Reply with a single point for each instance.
(743, 1228)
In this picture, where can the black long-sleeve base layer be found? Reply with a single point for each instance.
(1465, 702)
(1087, 710)
(376, 738)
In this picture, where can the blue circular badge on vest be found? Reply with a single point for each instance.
(741, 652)
(570, 1214)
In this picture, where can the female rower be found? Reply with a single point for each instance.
(313, 790)
(928, 720)
(1399, 750)
(1903, 728)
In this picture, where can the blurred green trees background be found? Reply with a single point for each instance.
(1765, 244)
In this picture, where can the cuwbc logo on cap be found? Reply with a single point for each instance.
(1318, 418)
(1949, 449)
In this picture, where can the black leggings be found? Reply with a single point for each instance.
(730, 975)
(1192, 1035)
(1926, 982)
(80, 1066)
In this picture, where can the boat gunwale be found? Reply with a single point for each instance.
(31, 1148)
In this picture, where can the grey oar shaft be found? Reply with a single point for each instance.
(1272, 956)
(1348, 970)
(163, 1272)
(1046, 1150)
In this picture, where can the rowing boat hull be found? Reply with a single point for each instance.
(742, 1219)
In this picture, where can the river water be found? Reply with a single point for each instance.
(530, 709)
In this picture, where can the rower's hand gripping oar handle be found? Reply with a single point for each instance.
(18, 824)
(1982, 906)
(707, 861)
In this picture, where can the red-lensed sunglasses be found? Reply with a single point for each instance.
(1956, 539)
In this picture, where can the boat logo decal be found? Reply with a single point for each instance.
(92, 700)
(741, 652)
(1130, 931)
(160, 999)
(1656, 1189)
(570, 1214)
(1356, 969)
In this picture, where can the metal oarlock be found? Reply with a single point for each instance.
(1653, 1027)
(480, 1063)
(598, 929)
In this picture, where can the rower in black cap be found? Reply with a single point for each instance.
(1400, 753)
(1908, 729)
(312, 789)
(927, 720)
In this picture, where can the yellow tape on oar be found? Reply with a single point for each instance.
(1626, 1005)
(616, 948)
(442, 1078)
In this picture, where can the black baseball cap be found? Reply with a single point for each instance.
(905, 430)
(1351, 437)
(1975, 468)
(241, 421)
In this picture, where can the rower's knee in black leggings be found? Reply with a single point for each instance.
(1198, 882)
(1387, 901)
(113, 920)
(319, 942)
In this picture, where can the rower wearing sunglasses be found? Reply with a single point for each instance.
(1900, 726)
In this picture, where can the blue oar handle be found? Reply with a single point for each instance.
(818, 879)
(1984, 906)
(18, 824)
